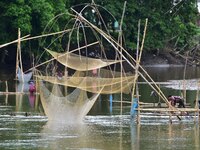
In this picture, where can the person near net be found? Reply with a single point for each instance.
(176, 99)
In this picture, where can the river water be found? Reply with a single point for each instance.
(24, 126)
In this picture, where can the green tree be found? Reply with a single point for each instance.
(32, 17)
(171, 25)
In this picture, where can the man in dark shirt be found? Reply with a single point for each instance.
(176, 99)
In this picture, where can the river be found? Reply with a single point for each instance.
(24, 126)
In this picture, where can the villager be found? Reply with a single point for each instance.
(176, 99)
(32, 88)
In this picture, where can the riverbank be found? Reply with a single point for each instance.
(163, 59)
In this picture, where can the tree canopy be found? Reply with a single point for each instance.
(172, 23)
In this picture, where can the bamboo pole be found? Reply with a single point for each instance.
(169, 110)
(11, 93)
(184, 84)
(120, 37)
(12, 42)
(197, 104)
(19, 54)
(17, 57)
(25, 38)
(137, 69)
(6, 82)
(45, 35)
(139, 55)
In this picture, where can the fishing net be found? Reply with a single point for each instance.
(81, 63)
(94, 84)
(70, 108)
(23, 77)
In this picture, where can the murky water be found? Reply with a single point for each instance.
(24, 126)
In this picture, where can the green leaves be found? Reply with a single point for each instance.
(169, 24)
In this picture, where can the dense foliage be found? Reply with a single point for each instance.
(172, 23)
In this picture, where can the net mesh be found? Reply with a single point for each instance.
(81, 63)
(72, 107)
(25, 77)
(94, 84)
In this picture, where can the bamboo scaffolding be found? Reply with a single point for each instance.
(114, 43)
(146, 76)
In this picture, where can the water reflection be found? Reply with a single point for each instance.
(163, 74)
(96, 132)
(192, 84)
(30, 100)
(103, 128)
(180, 136)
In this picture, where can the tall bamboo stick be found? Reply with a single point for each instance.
(184, 75)
(19, 54)
(12, 42)
(25, 38)
(197, 103)
(120, 38)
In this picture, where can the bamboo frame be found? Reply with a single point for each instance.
(152, 84)
(113, 43)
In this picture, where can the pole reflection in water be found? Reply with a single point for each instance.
(102, 128)
(165, 136)
(25, 97)
(135, 136)
(21, 88)
(196, 135)
(32, 98)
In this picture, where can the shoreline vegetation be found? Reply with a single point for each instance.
(173, 25)
(167, 60)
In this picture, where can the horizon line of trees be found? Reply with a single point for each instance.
(172, 24)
